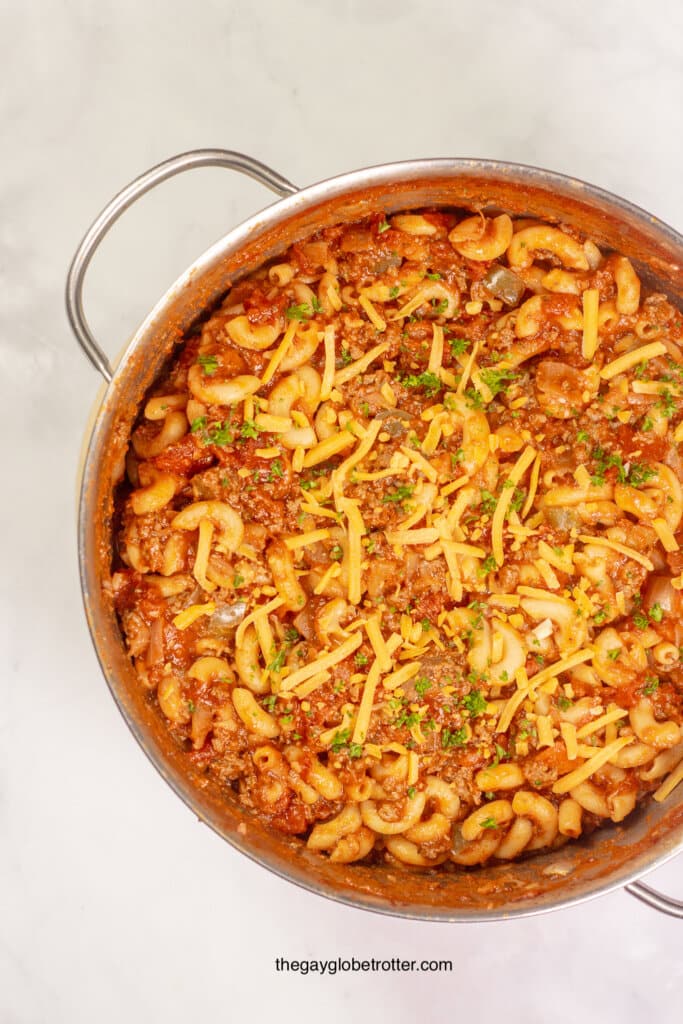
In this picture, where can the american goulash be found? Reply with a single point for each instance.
(399, 552)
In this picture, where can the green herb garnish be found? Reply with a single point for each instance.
(208, 363)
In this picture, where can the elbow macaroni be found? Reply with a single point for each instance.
(399, 551)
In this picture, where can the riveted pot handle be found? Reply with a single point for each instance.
(656, 900)
(113, 210)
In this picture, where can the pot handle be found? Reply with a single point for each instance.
(656, 900)
(125, 198)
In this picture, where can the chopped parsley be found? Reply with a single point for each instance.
(635, 474)
(488, 502)
(237, 580)
(340, 740)
(489, 823)
(475, 399)
(651, 684)
(383, 226)
(497, 380)
(640, 620)
(278, 658)
(269, 702)
(219, 434)
(516, 502)
(604, 461)
(431, 383)
(345, 356)
(639, 474)
(501, 755)
(422, 684)
(667, 404)
(455, 738)
(488, 565)
(459, 346)
(401, 493)
(208, 363)
(656, 612)
(336, 553)
(249, 429)
(474, 703)
(301, 312)
(276, 471)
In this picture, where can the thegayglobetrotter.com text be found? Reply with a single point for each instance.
(353, 965)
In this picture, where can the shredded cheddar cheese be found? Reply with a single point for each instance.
(563, 665)
(356, 532)
(512, 705)
(409, 537)
(260, 610)
(314, 683)
(591, 302)
(567, 782)
(632, 358)
(623, 549)
(201, 561)
(568, 734)
(360, 365)
(402, 538)
(436, 351)
(362, 723)
(665, 534)
(514, 477)
(372, 628)
(533, 487)
(280, 352)
(601, 722)
(303, 540)
(327, 384)
(328, 448)
(373, 316)
(401, 675)
(462, 386)
(195, 611)
(672, 780)
(324, 662)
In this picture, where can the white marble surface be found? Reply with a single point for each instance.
(115, 904)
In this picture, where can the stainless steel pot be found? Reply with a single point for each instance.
(611, 857)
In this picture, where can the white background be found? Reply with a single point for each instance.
(115, 904)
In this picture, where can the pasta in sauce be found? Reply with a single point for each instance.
(399, 552)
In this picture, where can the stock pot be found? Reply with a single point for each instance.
(613, 856)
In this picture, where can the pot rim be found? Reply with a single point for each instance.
(281, 210)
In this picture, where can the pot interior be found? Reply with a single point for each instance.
(611, 856)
